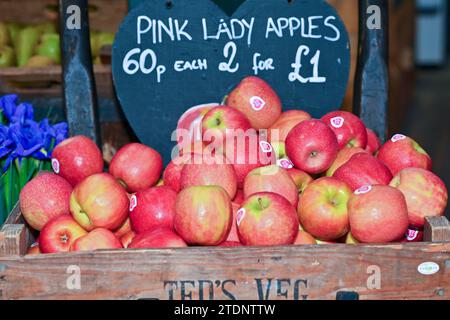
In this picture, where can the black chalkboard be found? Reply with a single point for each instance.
(159, 37)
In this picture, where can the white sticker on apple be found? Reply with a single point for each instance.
(133, 202)
(363, 190)
(398, 137)
(337, 122)
(257, 103)
(240, 216)
(412, 235)
(428, 268)
(265, 147)
(55, 165)
(285, 163)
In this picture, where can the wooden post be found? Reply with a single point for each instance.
(372, 74)
(79, 84)
(437, 229)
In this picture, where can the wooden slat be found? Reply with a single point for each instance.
(13, 240)
(306, 272)
(437, 229)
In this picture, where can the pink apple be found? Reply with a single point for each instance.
(222, 121)
(233, 235)
(77, 158)
(44, 198)
(239, 198)
(271, 179)
(248, 152)
(99, 201)
(279, 131)
(160, 237)
(204, 215)
(343, 156)
(214, 170)
(363, 169)
(59, 234)
(312, 146)
(123, 229)
(373, 142)
(97, 239)
(172, 174)
(349, 129)
(300, 178)
(402, 152)
(257, 100)
(304, 238)
(137, 167)
(378, 214)
(189, 126)
(425, 193)
(127, 238)
(322, 209)
(267, 219)
(153, 208)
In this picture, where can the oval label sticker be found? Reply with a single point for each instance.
(398, 137)
(240, 216)
(285, 163)
(55, 165)
(265, 147)
(257, 103)
(337, 122)
(428, 268)
(363, 190)
(133, 202)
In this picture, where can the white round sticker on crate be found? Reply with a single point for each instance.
(363, 190)
(337, 122)
(240, 216)
(398, 137)
(133, 202)
(428, 268)
(257, 103)
(55, 165)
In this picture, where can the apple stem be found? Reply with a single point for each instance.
(261, 204)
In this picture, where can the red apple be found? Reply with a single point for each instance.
(363, 169)
(322, 209)
(34, 249)
(153, 208)
(239, 198)
(402, 152)
(248, 152)
(230, 244)
(189, 128)
(267, 219)
(279, 131)
(343, 156)
(373, 142)
(123, 229)
(222, 121)
(257, 100)
(300, 178)
(97, 239)
(204, 215)
(312, 146)
(99, 201)
(233, 235)
(59, 234)
(127, 238)
(172, 174)
(271, 179)
(214, 170)
(425, 193)
(77, 158)
(44, 198)
(378, 214)
(304, 237)
(157, 238)
(349, 129)
(137, 167)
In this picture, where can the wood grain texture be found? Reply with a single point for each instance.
(437, 229)
(13, 240)
(306, 272)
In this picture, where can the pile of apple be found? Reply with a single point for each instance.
(307, 181)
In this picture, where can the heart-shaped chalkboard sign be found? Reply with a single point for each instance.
(169, 56)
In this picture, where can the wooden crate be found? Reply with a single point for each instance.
(291, 272)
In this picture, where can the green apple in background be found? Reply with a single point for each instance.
(39, 61)
(7, 57)
(105, 39)
(4, 34)
(46, 27)
(27, 39)
(94, 44)
(14, 29)
(49, 46)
